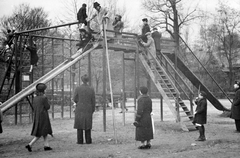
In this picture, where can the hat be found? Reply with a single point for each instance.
(203, 94)
(41, 87)
(148, 33)
(119, 16)
(145, 19)
(82, 30)
(96, 4)
(85, 78)
(143, 90)
(84, 5)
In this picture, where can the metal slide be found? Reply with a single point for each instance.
(44, 79)
(196, 82)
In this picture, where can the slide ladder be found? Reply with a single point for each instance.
(170, 93)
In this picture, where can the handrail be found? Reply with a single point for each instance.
(46, 28)
(158, 64)
(191, 92)
(205, 68)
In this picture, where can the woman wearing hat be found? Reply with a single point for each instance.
(84, 97)
(143, 122)
(200, 115)
(235, 109)
(41, 122)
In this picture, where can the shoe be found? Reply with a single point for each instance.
(29, 148)
(79, 142)
(201, 139)
(148, 146)
(46, 148)
(142, 147)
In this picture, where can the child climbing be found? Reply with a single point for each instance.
(33, 55)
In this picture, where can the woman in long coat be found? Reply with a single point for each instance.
(41, 122)
(200, 117)
(84, 97)
(235, 110)
(143, 121)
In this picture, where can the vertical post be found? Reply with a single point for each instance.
(161, 107)
(71, 78)
(123, 88)
(52, 80)
(62, 84)
(42, 56)
(137, 76)
(104, 87)
(135, 81)
(20, 77)
(89, 69)
(109, 78)
(17, 76)
(177, 107)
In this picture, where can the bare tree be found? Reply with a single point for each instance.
(25, 18)
(169, 14)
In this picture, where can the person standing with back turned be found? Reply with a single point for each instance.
(84, 97)
(41, 121)
(143, 121)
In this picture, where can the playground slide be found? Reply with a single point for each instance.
(196, 82)
(44, 79)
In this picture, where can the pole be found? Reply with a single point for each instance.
(110, 81)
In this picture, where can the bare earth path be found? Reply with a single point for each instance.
(169, 142)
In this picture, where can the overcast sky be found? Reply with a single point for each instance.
(134, 10)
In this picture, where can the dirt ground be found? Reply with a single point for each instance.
(169, 140)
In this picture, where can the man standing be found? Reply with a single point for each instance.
(84, 97)
(157, 37)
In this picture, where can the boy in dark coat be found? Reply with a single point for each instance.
(41, 121)
(145, 29)
(84, 97)
(82, 15)
(157, 37)
(235, 109)
(33, 55)
(143, 121)
(200, 115)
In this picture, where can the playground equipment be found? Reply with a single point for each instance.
(168, 76)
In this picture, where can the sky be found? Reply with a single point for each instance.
(134, 9)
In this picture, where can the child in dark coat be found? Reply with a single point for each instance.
(143, 121)
(41, 121)
(82, 16)
(200, 115)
